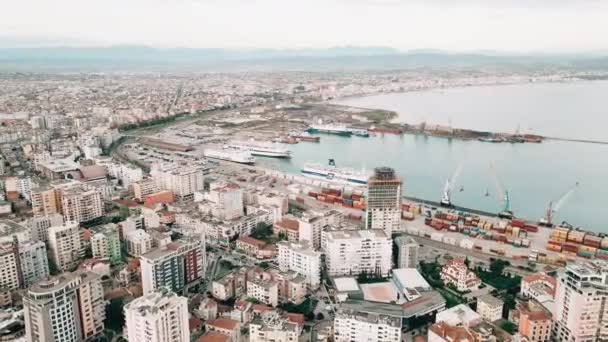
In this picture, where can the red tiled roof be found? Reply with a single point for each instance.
(224, 323)
(288, 224)
(296, 318)
(194, 323)
(252, 241)
(213, 336)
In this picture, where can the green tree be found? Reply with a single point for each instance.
(320, 317)
(497, 267)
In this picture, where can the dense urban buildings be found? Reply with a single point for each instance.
(407, 252)
(349, 252)
(301, 258)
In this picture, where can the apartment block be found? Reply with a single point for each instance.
(351, 252)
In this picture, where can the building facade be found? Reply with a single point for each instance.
(351, 252)
(407, 252)
(457, 273)
(384, 201)
(65, 245)
(301, 258)
(105, 243)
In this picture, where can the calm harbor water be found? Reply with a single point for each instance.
(534, 174)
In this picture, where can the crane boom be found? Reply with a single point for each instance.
(552, 209)
(446, 199)
(501, 191)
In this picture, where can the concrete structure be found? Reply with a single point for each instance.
(182, 180)
(533, 321)
(444, 332)
(410, 283)
(39, 226)
(52, 311)
(264, 290)
(34, 263)
(10, 272)
(105, 243)
(159, 316)
(228, 199)
(138, 242)
(351, 252)
(459, 315)
(272, 327)
(363, 324)
(91, 303)
(457, 273)
(407, 252)
(9, 230)
(145, 187)
(175, 267)
(301, 258)
(256, 248)
(65, 245)
(311, 224)
(225, 326)
(489, 307)
(540, 287)
(81, 204)
(45, 201)
(579, 313)
(384, 200)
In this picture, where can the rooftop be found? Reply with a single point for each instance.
(346, 284)
(490, 300)
(355, 234)
(223, 323)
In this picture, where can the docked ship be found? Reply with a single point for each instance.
(330, 129)
(259, 148)
(492, 139)
(230, 154)
(336, 174)
(359, 132)
(304, 136)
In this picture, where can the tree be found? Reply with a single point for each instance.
(467, 261)
(320, 317)
(497, 266)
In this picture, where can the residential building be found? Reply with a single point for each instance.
(82, 204)
(444, 332)
(301, 257)
(457, 273)
(353, 322)
(34, 263)
(351, 252)
(228, 199)
(289, 227)
(384, 201)
(9, 268)
(9, 230)
(159, 316)
(264, 290)
(580, 296)
(138, 242)
(45, 201)
(52, 310)
(65, 245)
(145, 187)
(533, 321)
(270, 326)
(232, 285)
(175, 267)
(459, 315)
(182, 180)
(226, 326)
(407, 252)
(105, 243)
(91, 303)
(312, 224)
(39, 225)
(489, 307)
(541, 287)
(256, 248)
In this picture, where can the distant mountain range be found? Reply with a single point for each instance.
(140, 58)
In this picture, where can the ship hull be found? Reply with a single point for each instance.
(326, 131)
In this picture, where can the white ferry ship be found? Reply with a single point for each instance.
(264, 149)
(335, 174)
(228, 154)
(330, 129)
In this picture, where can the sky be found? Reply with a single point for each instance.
(455, 25)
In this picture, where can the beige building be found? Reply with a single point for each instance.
(384, 201)
(533, 321)
(92, 306)
(65, 245)
(138, 242)
(271, 327)
(489, 307)
(311, 225)
(9, 268)
(457, 273)
(145, 187)
(225, 326)
(264, 290)
(82, 204)
(45, 201)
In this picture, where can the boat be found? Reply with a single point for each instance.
(336, 174)
(491, 139)
(330, 129)
(304, 136)
(229, 154)
(259, 148)
(359, 132)
(286, 140)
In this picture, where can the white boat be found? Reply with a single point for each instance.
(259, 148)
(330, 129)
(229, 154)
(335, 174)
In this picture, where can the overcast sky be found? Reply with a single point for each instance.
(459, 25)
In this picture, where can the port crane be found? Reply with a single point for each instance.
(446, 200)
(547, 220)
(506, 212)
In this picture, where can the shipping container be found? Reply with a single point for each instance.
(570, 247)
(602, 254)
(519, 223)
(531, 228)
(437, 237)
(576, 236)
(554, 248)
(466, 244)
(592, 241)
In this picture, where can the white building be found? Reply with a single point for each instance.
(21, 185)
(266, 291)
(157, 317)
(301, 258)
(138, 242)
(457, 273)
(271, 327)
(384, 201)
(582, 292)
(105, 243)
(228, 198)
(407, 252)
(182, 180)
(34, 262)
(489, 307)
(10, 229)
(351, 252)
(363, 322)
(311, 225)
(459, 315)
(39, 226)
(9, 271)
(65, 245)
